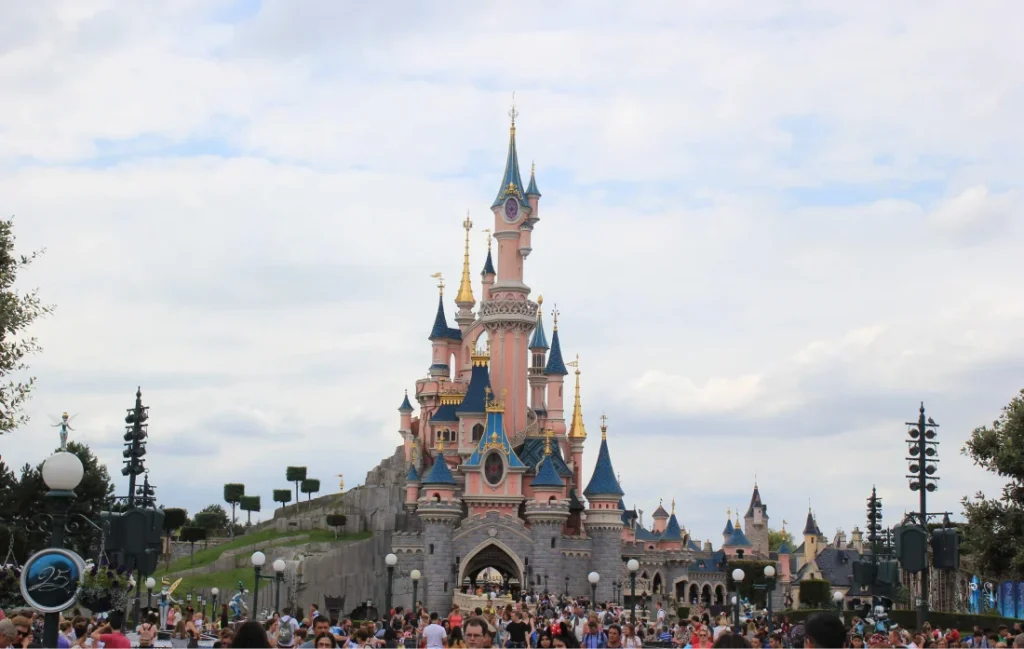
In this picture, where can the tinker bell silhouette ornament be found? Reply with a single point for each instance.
(65, 425)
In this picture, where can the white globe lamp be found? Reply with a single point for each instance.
(391, 560)
(738, 575)
(258, 559)
(279, 565)
(63, 471)
(633, 565)
(769, 571)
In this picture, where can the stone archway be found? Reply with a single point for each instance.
(494, 554)
(657, 586)
(693, 597)
(719, 594)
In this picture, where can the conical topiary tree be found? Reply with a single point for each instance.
(283, 496)
(250, 504)
(295, 474)
(309, 487)
(233, 493)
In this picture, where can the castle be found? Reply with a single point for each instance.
(496, 478)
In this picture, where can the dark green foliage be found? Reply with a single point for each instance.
(754, 574)
(250, 504)
(174, 519)
(283, 496)
(337, 521)
(310, 486)
(193, 535)
(212, 518)
(295, 474)
(683, 612)
(815, 593)
(775, 539)
(17, 312)
(233, 493)
(996, 525)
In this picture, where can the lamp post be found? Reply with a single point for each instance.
(737, 577)
(415, 575)
(769, 574)
(279, 566)
(593, 578)
(150, 585)
(837, 597)
(62, 473)
(213, 612)
(632, 566)
(391, 561)
(258, 559)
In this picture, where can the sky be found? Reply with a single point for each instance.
(772, 230)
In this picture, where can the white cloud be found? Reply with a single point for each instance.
(770, 232)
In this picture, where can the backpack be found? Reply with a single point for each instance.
(284, 633)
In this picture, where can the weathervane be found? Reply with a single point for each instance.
(440, 282)
(513, 113)
(65, 426)
(341, 482)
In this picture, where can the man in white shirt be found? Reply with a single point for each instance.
(435, 634)
(661, 617)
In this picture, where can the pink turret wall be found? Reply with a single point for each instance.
(510, 267)
(784, 574)
(659, 525)
(556, 412)
(412, 492)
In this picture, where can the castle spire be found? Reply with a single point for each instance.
(539, 340)
(532, 190)
(465, 296)
(488, 263)
(511, 181)
(603, 482)
(576, 428)
(555, 363)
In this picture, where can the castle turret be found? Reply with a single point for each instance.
(487, 273)
(755, 524)
(547, 514)
(471, 412)
(405, 426)
(660, 517)
(439, 510)
(577, 431)
(464, 300)
(784, 568)
(727, 532)
(812, 536)
(672, 536)
(412, 489)
(441, 337)
(555, 373)
(532, 193)
(604, 520)
(538, 359)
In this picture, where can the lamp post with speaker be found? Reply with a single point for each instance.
(593, 578)
(737, 577)
(632, 566)
(391, 560)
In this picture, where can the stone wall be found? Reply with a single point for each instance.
(179, 549)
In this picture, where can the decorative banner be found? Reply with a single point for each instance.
(1020, 600)
(975, 599)
(49, 580)
(1007, 599)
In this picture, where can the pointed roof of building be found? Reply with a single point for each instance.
(547, 474)
(577, 430)
(532, 189)
(539, 340)
(406, 406)
(439, 473)
(755, 501)
(412, 476)
(738, 539)
(441, 330)
(693, 546)
(811, 527)
(532, 454)
(494, 437)
(660, 512)
(511, 181)
(673, 532)
(555, 363)
(603, 482)
(465, 294)
(475, 400)
(728, 526)
(488, 263)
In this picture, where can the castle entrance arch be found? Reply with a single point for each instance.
(492, 562)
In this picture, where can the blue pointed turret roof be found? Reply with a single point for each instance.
(644, 534)
(441, 330)
(412, 476)
(755, 501)
(511, 181)
(555, 363)
(547, 475)
(603, 482)
(406, 406)
(673, 532)
(728, 527)
(738, 539)
(475, 400)
(784, 548)
(532, 453)
(660, 512)
(439, 473)
(692, 545)
(532, 190)
(488, 265)
(539, 340)
(494, 437)
(445, 414)
(811, 527)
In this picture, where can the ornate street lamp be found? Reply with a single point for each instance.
(279, 566)
(632, 565)
(769, 574)
(213, 612)
(415, 575)
(150, 585)
(391, 561)
(837, 597)
(258, 559)
(737, 577)
(593, 578)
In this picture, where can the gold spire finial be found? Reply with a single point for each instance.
(465, 295)
(604, 425)
(488, 231)
(533, 167)
(540, 300)
(554, 316)
(784, 522)
(440, 282)
(440, 448)
(513, 113)
(673, 506)
(728, 514)
(737, 518)
(547, 441)
(576, 429)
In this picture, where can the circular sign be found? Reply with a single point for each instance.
(49, 580)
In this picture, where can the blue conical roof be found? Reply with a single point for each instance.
(488, 265)
(603, 482)
(673, 532)
(539, 339)
(439, 473)
(728, 528)
(811, 527)
(511, 181)
(475, 400)
(532, 189)
(547, 475)
(406, 406)
(555, 363)
(494, 437)
(738, 539)
(441, 329)
(784, 548)
(412, 476)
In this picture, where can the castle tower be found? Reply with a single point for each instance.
(812, 536)
(785, 575)
(412, 489)
(660, 519)
(538, 359)
(494, 473)
(577, 431)
(442, 338)
(755, 524)
(547, 513)
(471, 413)
(604, 521)
(464, 299)
(439, 510)
(555, 373)
(727, 532)
(405, 426)
(508, 314)
(857, 540)
(487, 274)
(672, 536)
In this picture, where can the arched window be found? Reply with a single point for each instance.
(478, 432)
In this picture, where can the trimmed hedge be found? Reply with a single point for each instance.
(683, 612)
(908, 619)
(815, 593)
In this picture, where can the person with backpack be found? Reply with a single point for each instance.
(594, 638)
(147, 631)
(287, 626)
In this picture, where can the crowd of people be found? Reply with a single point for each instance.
(548, 621)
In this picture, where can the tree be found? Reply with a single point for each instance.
(996, 525)
(295, 474)
(233, 493)
(775, 539)
(17, 312)
(310, 486)
(212, 518)
(174, 519)
(283, 496)
(337, 521)
(192, 535)
(250, 504)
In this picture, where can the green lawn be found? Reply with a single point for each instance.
(207, 556)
